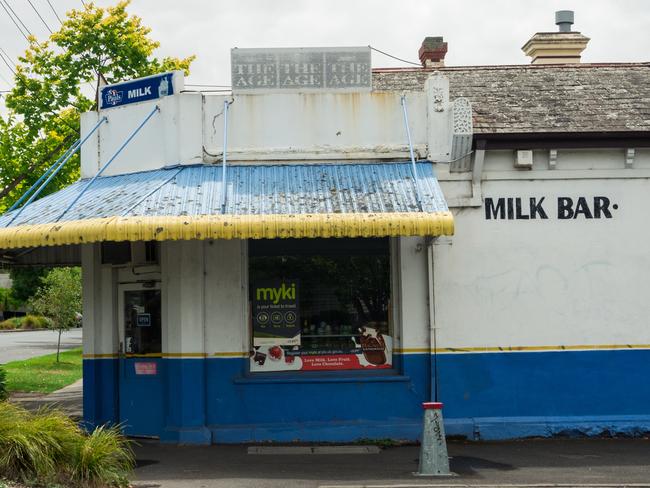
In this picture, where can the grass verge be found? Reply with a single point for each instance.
(43, 374)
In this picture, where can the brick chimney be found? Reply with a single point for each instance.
(432, 52)
(562, 47)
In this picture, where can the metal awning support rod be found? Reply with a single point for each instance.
(73, 147)
(415, 171)
(61, 162)
(226, 104)
(108, 163)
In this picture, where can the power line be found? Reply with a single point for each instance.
(12, 19)
(16, 15)
(40, 16)
(395, 57)
(4, 55)
(54, 10)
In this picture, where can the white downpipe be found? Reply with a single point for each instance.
(433, 356)
(224, 189)
(416, 181)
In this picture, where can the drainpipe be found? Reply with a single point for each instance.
(433, 355)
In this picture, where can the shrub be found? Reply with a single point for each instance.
(12, 323)
(103, 458)
(34, 322)
(3, 385)
(47, 447)
(25, 451)
(7, 300)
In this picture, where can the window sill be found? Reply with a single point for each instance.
(337, 377)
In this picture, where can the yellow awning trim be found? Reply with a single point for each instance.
(228, 227)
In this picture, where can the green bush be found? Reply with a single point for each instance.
(25, 452)
(47, 447)
(104, 457)
(3, 385)
(34, 322)
(7, 300)
(12, 323)
(27, 322)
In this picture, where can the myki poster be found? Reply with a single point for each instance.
(276, 314)
(369, 350)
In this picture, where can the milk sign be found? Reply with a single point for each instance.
(139, 90)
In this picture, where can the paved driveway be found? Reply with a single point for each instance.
(15, 346)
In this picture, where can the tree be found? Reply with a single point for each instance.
(47, 98)
(25, 282)
(59, 299)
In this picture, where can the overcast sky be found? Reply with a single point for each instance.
(478, 31)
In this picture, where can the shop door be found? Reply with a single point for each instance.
(140, 381)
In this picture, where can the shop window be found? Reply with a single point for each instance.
(320, 304)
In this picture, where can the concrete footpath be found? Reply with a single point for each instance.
(554, 462)
(69, 399)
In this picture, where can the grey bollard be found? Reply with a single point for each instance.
(434, 460)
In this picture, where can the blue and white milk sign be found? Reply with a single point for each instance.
(141, 89)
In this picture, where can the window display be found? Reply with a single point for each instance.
(320, 304)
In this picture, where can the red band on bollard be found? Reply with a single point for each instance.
(432, 405)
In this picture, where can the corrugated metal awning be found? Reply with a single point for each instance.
(262, 201)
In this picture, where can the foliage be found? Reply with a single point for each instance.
(27, 322)
(7, 300)
(3, 384)
(47, 447)
(12, 323)
(25, 281)
(34, 322)
(59, 298)
(44, 374)
(47, 98)
(103, 457)
(24, 450)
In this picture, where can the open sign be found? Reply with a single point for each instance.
(143, 320)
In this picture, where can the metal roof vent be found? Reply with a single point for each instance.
(564, 20)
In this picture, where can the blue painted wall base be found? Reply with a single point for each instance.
(494, 428)
(486, 396)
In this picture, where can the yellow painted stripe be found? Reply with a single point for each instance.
(414, 350)
(228, 227)
(159, 355)
(184, 355)
(231, 354)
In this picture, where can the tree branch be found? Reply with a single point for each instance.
(18, 179)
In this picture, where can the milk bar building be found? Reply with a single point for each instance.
(333, 283)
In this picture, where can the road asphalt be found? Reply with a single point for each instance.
(16, 346)
(543, 462)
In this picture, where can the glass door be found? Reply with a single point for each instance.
(140, 382)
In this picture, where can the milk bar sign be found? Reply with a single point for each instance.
(543, 208)
(138, 90)
(301, 69)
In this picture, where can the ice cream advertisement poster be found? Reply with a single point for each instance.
(371, 350)
(276, 313)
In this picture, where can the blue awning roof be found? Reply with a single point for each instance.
(320, 190)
